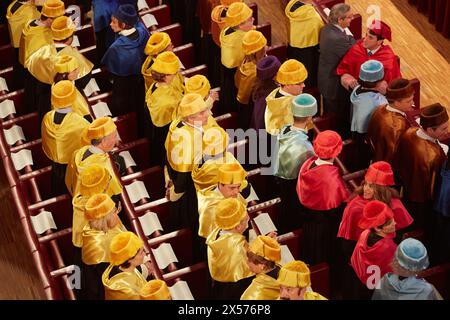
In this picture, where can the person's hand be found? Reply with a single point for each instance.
(119, 207)
(353, 83)
(214, 95)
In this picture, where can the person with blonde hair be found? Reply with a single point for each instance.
(263, 258)
(60, 130)
(294, 280)
(103, 224)
(227, 251)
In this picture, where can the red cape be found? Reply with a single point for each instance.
(357, 55)
(320, 188)
(381, 255)
(349, 229)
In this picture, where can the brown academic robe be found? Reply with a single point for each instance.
(385, 129)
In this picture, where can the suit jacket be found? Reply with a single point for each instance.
(334, 44)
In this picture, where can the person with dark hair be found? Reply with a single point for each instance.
(103, 223)
(294, 148)
(403, 283)
(304, 25)
(227, 251)
(18, 14)
(102, 11)
(334, 44)
(60, 132)
(124, 59)
(389, 122)
(266, 70)
(125, 277)
(371, 47)
(420, 156)
(375, 248)
(99, 138)
(263, 259)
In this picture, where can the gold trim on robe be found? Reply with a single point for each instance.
(207, 202)
(227, 257)
(18, 19)
(245, 80)
(33, 38)
(76, 165)
(303, 26)
(278, 112)
(96, 243)
(59, 141)
(124, 285)
(263, 287)
(232, 53)
(163, 103)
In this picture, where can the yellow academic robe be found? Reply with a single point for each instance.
(18, 19)
(84, 65)
(33, 38)
(183, 145)
(207, 202)
(96, 243)
(231, 48)
(304, 25)
(245, 80)
(227, 257)
(263, 287)
(76, 165)
(163, 103)
(124, 285)
(278, 112)
(310, 295)
(59, 141)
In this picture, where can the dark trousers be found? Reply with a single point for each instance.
(292, 213)
(58, 176)
(340, 108)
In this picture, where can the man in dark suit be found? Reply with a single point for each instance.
(334, 44)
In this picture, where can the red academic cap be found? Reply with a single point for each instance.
(382, 29)
(375, 214)
(328, 144)
(380, 173)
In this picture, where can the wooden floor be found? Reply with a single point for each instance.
(424, 53)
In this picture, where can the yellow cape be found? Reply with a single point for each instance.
(124, 285)
(304, 25)
(76, 165)
(41, 64)
(96, 243)
(263, 287)
(59, 141)
(163, 103)
(33, 38)
(231, 48)
(18, 19)
(245, 80)
(278, 112)
(227, 257)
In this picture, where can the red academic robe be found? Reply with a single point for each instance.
(380, 254)
(321, 187)
(349, 229)
(357, 55)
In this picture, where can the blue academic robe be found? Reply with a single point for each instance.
(442, 202)
(126, 56)
(364, 102)
(412, 288)
(103, 9)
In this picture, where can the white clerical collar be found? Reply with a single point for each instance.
(60, 45)
(95, 150)
(389, 108)
(222, 232)
(374, 50)
(284, 93)
(320, 162)
(127, 32)
(193, 126)
(339, 27)
(423, 135)
(64, 110)
(293, 127)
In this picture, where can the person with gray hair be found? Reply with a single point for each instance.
(334, 44)
(402, 284)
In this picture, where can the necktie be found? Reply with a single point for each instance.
(370, 53)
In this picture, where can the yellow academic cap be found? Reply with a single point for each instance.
(93, 180)
(155, 290)
(124, 246)
(62, 28)
(63, 94)
(157, 43)
(53, 8)
(291, 72)
(253, 41)
(66, 64)
(198, 84)
(166, 63)
(98, 206)
(294, 274)
(266, 247)
(231, 173)
(229, 213)
(99, 129)
(237, 13)
(190, 104)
